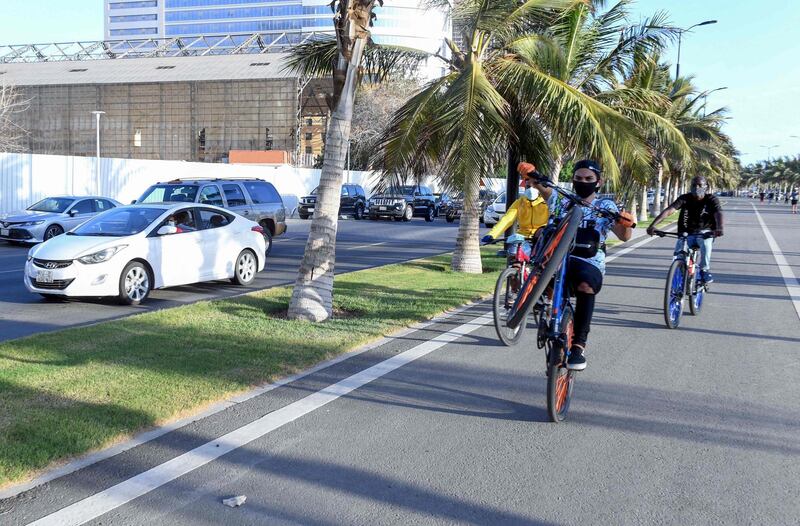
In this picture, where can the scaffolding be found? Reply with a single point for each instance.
(203, 45)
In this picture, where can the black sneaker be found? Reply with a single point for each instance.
(576, 361)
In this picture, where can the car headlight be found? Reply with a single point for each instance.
(100, 257)
(31, 223)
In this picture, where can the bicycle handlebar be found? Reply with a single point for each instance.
(704, 235)
(547, 183)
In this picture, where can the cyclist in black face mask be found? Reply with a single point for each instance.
(700, 212)
(585, 275)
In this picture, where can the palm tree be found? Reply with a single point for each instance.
(347, 59)
(528, 79)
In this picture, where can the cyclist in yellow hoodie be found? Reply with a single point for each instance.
(529, 211)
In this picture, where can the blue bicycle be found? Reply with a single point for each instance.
(547, 277)
(682, 280)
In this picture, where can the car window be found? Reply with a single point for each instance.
(166, 193)
(360, 191)
(52, 204)
(345, 192)
(213, 218)
(263, 192)
(119, 222)
(234, 195)
(101, 205)
(210, 195)
(85, 206)
(184, 220)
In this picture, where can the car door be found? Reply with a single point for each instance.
(346, 202)
(235, 200)
(180, 256)
(219, 244)
(80, 212)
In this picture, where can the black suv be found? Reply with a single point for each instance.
(353, 201)
(403, 202)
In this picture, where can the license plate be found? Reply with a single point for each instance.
(44, 276)
(4, 232)
(311, 209)
(382, 209)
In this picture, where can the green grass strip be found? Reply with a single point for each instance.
(65, 393)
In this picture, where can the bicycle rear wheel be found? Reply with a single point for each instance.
(505, 294)
(673, 293)
(545, 265)
(560, 380)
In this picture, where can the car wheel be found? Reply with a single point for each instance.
(373, 217)
(430, 215)
(408, 213)
(52, 231)
(450, 219)
(359, 213)
(267, 240)
(134, 284)
(245, 269)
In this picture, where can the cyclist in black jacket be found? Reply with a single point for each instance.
(701, 212)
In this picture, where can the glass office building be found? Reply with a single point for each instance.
(400, 22)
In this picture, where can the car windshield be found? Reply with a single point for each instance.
(119, 222)
(169, 193)
(55, 205)
(314, 191)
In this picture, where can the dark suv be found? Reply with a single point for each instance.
(254, 199)
(403, 202)
(353, 201)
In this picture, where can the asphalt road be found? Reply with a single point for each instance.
(698, 425)
(360, 244)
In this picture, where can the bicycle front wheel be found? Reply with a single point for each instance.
(560, 380)
(505, 294)
(674, 293)
(696, 295)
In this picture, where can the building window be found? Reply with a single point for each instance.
(134, 31)
(308, 136)
(133, 5)
(132, 18)
(137, 139)
(309, 149)
(309, 122)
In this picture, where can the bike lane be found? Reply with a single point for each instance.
(690, 426)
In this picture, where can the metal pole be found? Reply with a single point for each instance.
(97, 115)
(348, 161)
(678, 63)
(512, 182)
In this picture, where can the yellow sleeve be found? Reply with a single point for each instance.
(541, 214)
(506, 221)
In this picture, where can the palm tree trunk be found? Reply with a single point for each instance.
(633, 205)
(467, 255)
(667, 191)
(643, 211)
(659, 185)
(312, 296)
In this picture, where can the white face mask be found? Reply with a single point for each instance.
(531, 194)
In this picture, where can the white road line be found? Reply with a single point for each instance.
(631, 248)
(367, 246)
(10, 271)
(100, 503)
(792, 285)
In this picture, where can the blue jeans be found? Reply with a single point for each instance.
(705, 246)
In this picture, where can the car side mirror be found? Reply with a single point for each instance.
(167, 230)
(133, 202)
(73, 213)
(417, 194)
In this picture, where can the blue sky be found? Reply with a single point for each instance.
(753, 50)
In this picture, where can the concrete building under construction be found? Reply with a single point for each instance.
(168, 99)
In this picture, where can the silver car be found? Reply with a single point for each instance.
(51, 217)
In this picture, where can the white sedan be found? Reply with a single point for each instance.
(128, 251)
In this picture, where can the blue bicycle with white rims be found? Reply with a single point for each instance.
(682, 280)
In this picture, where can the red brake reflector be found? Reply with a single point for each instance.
(258, 229)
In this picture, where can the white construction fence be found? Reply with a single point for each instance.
(27, 178)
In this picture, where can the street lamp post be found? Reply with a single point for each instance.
(769, 150)
(97, 114)
(680, 35)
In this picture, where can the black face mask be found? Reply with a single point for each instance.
(584, 190)
(699, 191)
